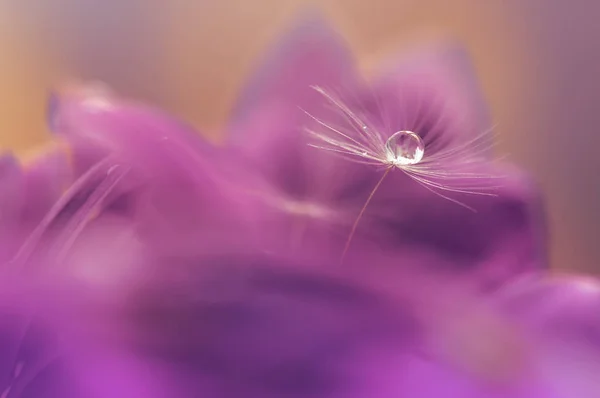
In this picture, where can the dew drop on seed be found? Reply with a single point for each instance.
(404, 148)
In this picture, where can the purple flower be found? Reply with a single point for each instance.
(171, 267)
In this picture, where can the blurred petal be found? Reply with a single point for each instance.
(310, 53)
(47, 176)
(267, 125)
(93, 115)
(47, 351)
(11, 196)
(561, 315)
(502, 236)
(28, 192)
(31, 363)
(258, 327)
(562, 307)
(179, 191)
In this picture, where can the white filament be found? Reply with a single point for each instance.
(449, 169)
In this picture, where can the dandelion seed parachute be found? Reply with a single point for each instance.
(384, 142)
(420, 96)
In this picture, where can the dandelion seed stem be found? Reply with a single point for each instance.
(361, 213)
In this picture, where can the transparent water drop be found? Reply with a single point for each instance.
(404, 148)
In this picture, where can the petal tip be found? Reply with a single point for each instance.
(308, 52)
(310, 21)
(75, 99)
(445, 54)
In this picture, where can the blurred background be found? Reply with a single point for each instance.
(537, 59)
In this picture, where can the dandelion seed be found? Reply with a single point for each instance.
(449, 169)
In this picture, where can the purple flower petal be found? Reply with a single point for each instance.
(11, 196)
(266, 126)
(249, 327)
(48, 350)
(29, 191)
(31, 362)
(179, 192)
(560, 307)
(310, 53)
(560, 314)
(46, 179)
(500, 238)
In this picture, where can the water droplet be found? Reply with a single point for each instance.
(404, 148)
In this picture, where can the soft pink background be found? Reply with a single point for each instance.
(538, 61)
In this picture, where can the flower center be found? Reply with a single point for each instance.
(404, 148)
